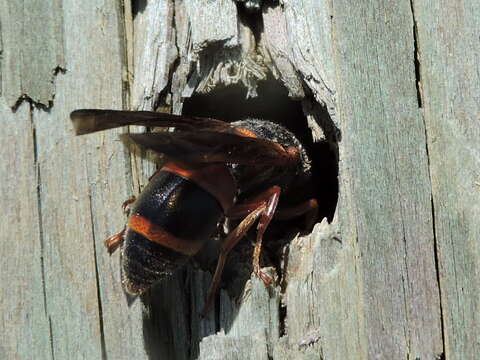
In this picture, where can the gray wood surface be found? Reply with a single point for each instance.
(393, 87)
(384, 169)
(24, 321)
(450, 83)
(33, 50)
(56, 292)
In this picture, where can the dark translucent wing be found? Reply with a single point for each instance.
(212, 147)
(88, 121)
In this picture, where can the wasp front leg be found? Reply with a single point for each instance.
(263, 223)
(230, 241)
(263, 207)
(268, 199)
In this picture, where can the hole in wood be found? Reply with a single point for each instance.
(273, 103)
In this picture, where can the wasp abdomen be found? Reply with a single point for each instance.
(170, 221)
(145, 262)
(179, 206)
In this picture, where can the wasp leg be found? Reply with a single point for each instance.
(309, 208)
(230, 241)
(267, 216)
(114, 241)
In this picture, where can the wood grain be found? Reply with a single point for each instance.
(154, 51)
(385, 205)
(24, 321)
(309, 24)
(82, 316)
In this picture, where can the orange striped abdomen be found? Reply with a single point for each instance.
(171, 220)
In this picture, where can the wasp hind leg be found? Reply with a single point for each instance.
(114, 241)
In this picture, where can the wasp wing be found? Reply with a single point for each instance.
(87, 121)
(214, 147)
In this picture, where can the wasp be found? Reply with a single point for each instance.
(214, 171)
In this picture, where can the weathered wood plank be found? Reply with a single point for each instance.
(364, 286)
(384, 209)
(83, 313)
(449, 61)
(32, 36)
(247, 331)
(24, 322)
(212, 22)
(276, 39)
(69, 258)
(154, 51)
(90, 317)
(320, 291)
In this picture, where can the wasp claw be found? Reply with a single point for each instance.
(266, 278)
(127, 202)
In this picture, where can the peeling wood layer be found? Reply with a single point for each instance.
(309, 26)
(212, 56)
(154, 55)
(33, 50)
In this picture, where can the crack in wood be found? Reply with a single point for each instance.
(420, 101)
(50, 329)
(38, 105)
(432, 203)
(38, 188)
(39, 208)
(437, 270)
(97, 280)
(59, 69)
(125, 9)
(416, 55)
